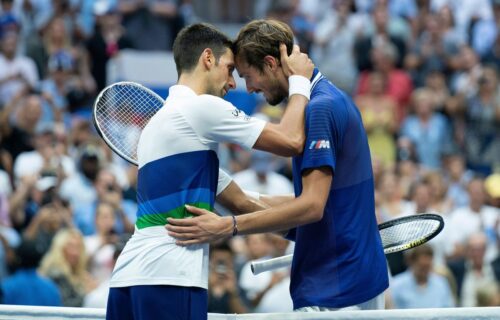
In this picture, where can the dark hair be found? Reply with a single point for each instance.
(260, 38)
(29, 253)
(192, 40)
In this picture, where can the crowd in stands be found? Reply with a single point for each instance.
(424, 74)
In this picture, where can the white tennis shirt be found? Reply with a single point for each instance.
(178, 165)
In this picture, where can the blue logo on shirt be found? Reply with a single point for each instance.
(319, 144)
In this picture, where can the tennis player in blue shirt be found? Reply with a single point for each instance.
(338, 260)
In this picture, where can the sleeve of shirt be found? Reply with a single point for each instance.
(224, 180)
(324, 133)
(216, 120)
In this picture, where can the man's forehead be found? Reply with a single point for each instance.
(242, 66)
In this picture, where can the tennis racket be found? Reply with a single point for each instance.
(121, 111)
(397, 235)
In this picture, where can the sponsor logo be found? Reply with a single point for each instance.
(240, 114)
(319, 144)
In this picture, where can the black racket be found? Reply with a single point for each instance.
(397, 235)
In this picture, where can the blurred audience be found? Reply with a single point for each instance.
(424, 74)
(65, 263)
(420, 287)
(26, 286)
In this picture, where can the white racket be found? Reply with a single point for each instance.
(397, 235)
(121, 111)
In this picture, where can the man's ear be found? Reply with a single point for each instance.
(207, 58)
(271, 62)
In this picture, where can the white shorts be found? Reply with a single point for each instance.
(377, 303)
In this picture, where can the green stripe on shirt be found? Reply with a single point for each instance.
(160, 219)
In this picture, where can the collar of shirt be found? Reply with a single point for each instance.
(181, 90)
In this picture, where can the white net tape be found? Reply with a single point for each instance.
(8, 312)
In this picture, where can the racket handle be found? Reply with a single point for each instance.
(271, 264)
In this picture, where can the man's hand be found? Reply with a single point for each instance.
(297, 63)
(205, 227)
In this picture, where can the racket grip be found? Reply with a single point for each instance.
(271, 264)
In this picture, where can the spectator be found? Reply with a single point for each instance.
(43, 227)
(492, 187)
(420, 287)
(438, 192)
(107, 190)
(26, 286)
(98, 297)
(256, 287)
(46, 157)
(430, 53)
(378, 111)
(458, 178)
(79, 188)
(56, 39)
(435, 82)
(427, 129)
(398, 83)
(151, 24)
(473, 271)
(18, 131)
(336, 30)
(276, 297)
(381, 37)
(474, 218)
(482, 136)
(223, 295)
(260, 177)
(392, 203)
(101, 246)
(65, 264)
(108, 39)
(465, 80)
(17, 72)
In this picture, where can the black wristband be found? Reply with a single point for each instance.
(235, 226)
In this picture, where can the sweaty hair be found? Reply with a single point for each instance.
(192, 40)
(260, 38)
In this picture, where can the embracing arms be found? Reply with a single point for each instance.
(307, 208)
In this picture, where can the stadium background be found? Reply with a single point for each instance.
(423, 73)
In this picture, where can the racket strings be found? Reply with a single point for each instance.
(122, 112)
(408, 234)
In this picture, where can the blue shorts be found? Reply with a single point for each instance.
(157, 302)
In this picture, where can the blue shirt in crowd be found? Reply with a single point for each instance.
(27, 287)
(407, 294)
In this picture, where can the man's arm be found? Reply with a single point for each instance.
(307, 208)
(287, 138)
(236, 201)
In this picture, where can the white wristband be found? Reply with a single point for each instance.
(299, 85)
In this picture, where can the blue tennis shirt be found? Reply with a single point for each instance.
(338, 261)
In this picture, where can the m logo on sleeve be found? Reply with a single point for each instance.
(319, 144)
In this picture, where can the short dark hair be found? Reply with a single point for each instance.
(260, 38)
(192, 40)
